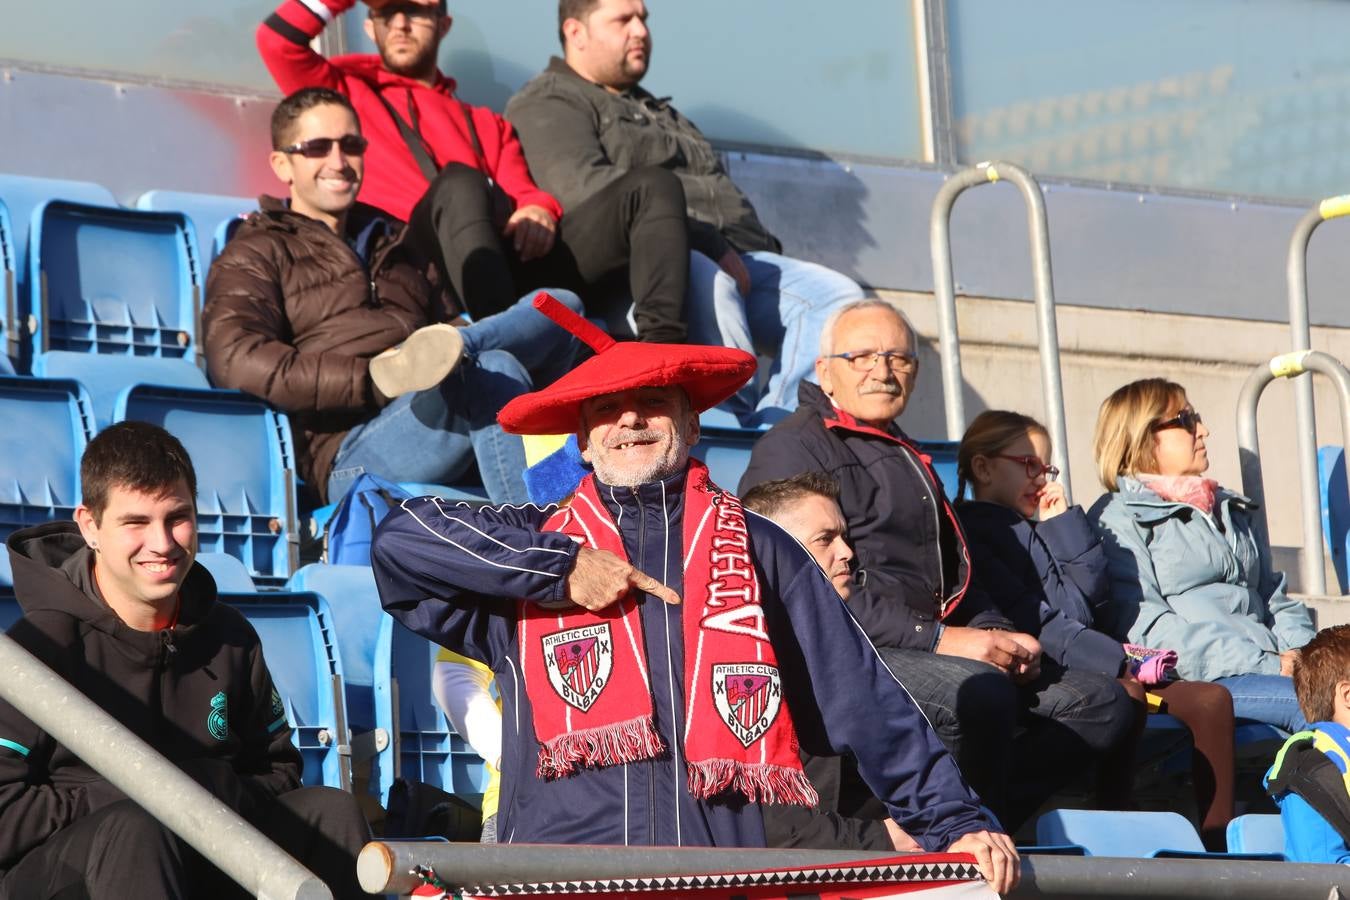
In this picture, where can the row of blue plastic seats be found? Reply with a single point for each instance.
(1153, 835)
(82, 273)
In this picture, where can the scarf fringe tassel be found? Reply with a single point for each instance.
(622, 742)
(760, 783)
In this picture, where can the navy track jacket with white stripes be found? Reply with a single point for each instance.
(453, 573)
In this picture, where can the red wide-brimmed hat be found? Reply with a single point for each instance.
(708, 375)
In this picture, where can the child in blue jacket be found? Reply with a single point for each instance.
(1309, 779)
(1043, 564)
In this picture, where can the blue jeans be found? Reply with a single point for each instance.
(1265, 698)
(434, 436)
(783, 317)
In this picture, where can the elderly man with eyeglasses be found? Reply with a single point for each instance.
(978, 680)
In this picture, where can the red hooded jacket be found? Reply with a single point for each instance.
(393, 180)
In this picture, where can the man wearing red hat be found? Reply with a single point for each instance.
(660, 653)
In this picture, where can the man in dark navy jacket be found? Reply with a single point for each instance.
(976, 677)
(560, 600)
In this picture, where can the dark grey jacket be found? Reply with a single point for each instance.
(580, 138)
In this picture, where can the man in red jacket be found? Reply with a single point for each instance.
(458, 175)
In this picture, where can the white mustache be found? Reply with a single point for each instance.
(634, 437)
(880, 387)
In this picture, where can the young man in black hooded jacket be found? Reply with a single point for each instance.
(115, 604)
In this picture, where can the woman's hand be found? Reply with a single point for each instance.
(1051, 502)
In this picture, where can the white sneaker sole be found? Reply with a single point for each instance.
(421, 362)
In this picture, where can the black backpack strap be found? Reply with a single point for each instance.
(413, 139)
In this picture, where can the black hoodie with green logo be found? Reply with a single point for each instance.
(199, 692)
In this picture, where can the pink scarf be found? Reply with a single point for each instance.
(1196, 490)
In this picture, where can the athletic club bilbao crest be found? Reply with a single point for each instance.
(579, 661)
(747, 696)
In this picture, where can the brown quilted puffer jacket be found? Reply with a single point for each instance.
(293, 316)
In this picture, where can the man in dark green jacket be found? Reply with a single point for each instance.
(115, 604)
(585, 122)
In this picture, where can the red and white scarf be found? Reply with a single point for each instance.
(587, 676)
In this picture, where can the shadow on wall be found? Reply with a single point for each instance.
(482, 79)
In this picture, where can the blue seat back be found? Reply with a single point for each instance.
(1256, 833)
(1332, 485)
(228, 573)
(1110, 833)
(242, 451)
(106, 377)
(211, 214)
(429, 750)
(726, 453)
(942, 455)
(23, 194)
(46, 426)
(298, 644)
(114, 280)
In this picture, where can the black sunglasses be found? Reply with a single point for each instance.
(423, 11)
(318, 148)
(1188, 419)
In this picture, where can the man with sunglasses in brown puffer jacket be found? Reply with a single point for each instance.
(323, 307)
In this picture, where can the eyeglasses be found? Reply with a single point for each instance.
(428, 13)
(1187, 419)
(1035, 468)
(899, 361)
(319, 148)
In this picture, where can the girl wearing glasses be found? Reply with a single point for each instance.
(1187, 571)
(1043, 564)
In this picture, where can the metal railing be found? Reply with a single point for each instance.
(944, 292)
(161, 788)
(1288, 365)
(387, 868)
(1313, 571)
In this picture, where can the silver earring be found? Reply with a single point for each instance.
(93, 545)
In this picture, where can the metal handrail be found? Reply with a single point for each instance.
(386, 867)
(1288, 365)
(1300, 333)
(944, 292)
(161, 788)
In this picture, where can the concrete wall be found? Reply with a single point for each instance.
(1103, 349)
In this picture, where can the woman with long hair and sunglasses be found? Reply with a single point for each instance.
(1043, 563)
(1187, 570)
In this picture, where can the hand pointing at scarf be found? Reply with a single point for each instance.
(600, 579)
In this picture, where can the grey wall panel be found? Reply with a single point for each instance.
(1112, 248)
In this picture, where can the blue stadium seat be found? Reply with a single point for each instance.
(24, 193)
(1109, 833)
(726, 452)
(427, 747)
(1257, 833)
(243, 455)
(394, 663)
(228, 573)
(1335, 508)
(298, 644)
(106, 377)
(47, 424)
(360, 626)
(943, 456)
(114, 280)
(211, 215)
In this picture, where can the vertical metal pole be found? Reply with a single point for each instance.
(1313, 567)
(944, 294)
(933, 64)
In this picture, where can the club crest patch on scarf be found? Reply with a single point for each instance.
(579, 662)
(747, 697)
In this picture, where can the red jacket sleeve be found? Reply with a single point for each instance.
(283, 41)
(509, 168)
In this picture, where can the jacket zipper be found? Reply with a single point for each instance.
(647, 651)
(937, 531)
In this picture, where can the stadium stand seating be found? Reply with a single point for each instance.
(112, 280)
(10, 327)
(1257, 833)
(244, 458)
(1331, 481)
(212, 215)
(299, 645)
(1110, 833)
(48, 423)
(106, 377)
